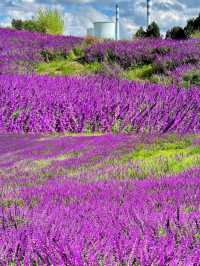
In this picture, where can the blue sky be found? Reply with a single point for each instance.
(80, 14)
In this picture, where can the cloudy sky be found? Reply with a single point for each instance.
(80, 14)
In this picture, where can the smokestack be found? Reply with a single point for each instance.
(148, 12)
(117, 23)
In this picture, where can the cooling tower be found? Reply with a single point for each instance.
(104, 30)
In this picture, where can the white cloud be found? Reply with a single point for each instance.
(80, 14)
(28, 1)
(19, 14)
(78, 22)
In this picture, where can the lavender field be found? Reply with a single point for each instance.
(97, 169)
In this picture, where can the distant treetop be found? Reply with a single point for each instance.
(46, 21)
(153, 31)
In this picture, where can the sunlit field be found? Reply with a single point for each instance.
(99, 151)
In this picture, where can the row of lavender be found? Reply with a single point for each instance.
(168, 57)
(20, 49)
(104, 223)
(57, 104)
(165, 54)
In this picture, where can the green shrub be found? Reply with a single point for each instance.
(196, 34)
(68, 67)
(139, 73)
(88, 128)
(79, 51)
(191, 78)
(164, 157)
(128, 129)
(116, 126)
(93, 67)
(161, 79)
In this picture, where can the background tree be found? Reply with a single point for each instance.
(153, 30)
(141, 33)
(46, 21)
(193, 25)
(17, 24)
(34, 26)
(51, 20)
(177, 33)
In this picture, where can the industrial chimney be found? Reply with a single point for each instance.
(117, 23)
(148, 12)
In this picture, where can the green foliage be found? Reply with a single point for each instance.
(141, 33)
(161, 232)
(116, 126)
(17, 24)
(16, 114)
(162, 50)
(146, 73)
(89, 128)
(197, 236)
(51, 19)
(191, 78)
(177, 33)
(153, 30)
(193, 25)
(128, 129)
(61, 67)
(11, 202)
(139, 73)
(46, 21)
(68, 67)
(164, 157)
(50, 55)
(160, 79)
(195, 34)
(29, 25)
(34, 26)
(93, 68)
(78, 52)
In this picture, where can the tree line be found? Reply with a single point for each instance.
(45, 21)
(51, 21)
(192, 29)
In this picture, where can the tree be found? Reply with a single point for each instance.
(153, 30)
(177, 33)
(17, 24)
(34, 26)
(189, 28)
(193, 25)
(45, 21)
(51, 20)
(141, 33)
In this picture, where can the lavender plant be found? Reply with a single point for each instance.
(82, 200)
(58, 104)
(63, 220)
(19, 50)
